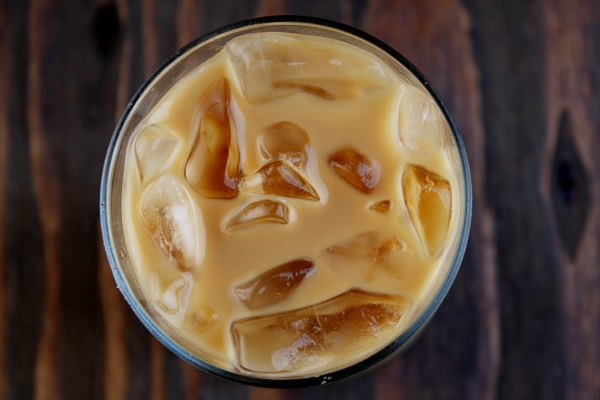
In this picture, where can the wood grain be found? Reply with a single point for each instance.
(22, 258)
(4, 151)
(48, 199)
(573, 128)
(522, 81)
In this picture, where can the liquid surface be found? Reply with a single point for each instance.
(289, 204)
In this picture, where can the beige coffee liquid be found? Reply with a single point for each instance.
(289, 204)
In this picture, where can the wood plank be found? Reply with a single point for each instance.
(514, 96)
(22, 258)
(48, 195)
(569, 184)
(4, 158)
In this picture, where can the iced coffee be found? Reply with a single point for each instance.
(291, 205)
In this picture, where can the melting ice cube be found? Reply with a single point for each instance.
(200, 319)
(356, 169)
(285, 141)
(428, 198)
(303, 339)
(281, 179)
(170, 290)
(213, 169)
(154, 147)
(258, 212)
(270, 66)
(357, 253)
(420, 122)
(366, 255)
(274, 285)
(387, 248)
(173, 221)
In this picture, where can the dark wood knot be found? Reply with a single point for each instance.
(106, 29)
(570, 187)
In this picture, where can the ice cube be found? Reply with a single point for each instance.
(356, 169)
(382, 206)
(303, 339)
(170, 290)
(428, 198)
(420, 122)
(284, 141)
(201, 319)
(356, 253)
(173, 221)
(154, 147)
(386, 248)
(258, 212)
(274, 285)
(368, 256)
(270, 66)
(213, 168)
(281, 179)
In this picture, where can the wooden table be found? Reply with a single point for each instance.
(522, 79)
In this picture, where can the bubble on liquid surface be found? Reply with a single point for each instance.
(281, 179)
(420, 122)
(154, 148)
(382, 206)
(271, 66)
(306, 338)
(173, 221)
(285, 141)
(356, 169)
(170, 290)
(428, 198)
(213, 168)
(264, 211)
(274, 285)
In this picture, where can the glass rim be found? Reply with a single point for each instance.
(363, 365)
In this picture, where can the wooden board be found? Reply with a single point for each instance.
(522, 81)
